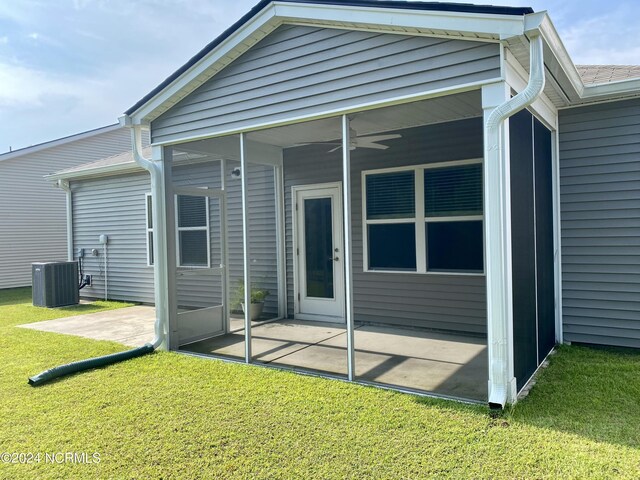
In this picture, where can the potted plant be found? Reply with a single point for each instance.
(258, 295)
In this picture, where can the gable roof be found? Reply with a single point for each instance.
(513, 26)
(401, 5)
(598, 74)
(268, 14)
(57, 142)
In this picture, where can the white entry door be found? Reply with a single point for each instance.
(318, 252)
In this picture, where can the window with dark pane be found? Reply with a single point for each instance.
(455, 246)
(149, 212)
(453, 191)
(391, 195)
(392, 246)
(192, 211)
(150, 255)
(193, 248)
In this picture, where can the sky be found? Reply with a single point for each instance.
(67, 66)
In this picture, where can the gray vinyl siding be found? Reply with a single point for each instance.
(600, 214)
(33, 211)
(114, 206)
(303, 70)
(206, 290)
(436, 301)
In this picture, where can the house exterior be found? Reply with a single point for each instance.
(426, 191)
(33, 212)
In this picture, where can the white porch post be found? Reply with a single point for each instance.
(348, 267)
(164, 245)
(497, 211)
(245, 252)
(278, 176)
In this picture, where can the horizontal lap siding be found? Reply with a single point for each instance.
(33, 212)
(302, 70)
(114, 206)
(600, 202)
(435, 301)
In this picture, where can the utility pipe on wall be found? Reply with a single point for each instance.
(64, 185)
(499, 321)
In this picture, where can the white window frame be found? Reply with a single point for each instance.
(192, 229)
(419, 220)
(148, 230)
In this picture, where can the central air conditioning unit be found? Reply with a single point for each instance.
(55, 284)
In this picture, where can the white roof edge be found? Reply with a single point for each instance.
(57, 142)
(277, 13)
(119, 168)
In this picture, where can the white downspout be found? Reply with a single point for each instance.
(64, 185)
(155, 170)
(499, 321)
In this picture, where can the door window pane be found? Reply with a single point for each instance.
(192, 211)
(318, 234)
(455, 246)
(392, 246)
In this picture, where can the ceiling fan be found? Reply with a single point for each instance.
(365, 141)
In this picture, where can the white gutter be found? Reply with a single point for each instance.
(156, 171)
(64, 185)
(499, 321)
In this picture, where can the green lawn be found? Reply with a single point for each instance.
(172, 416)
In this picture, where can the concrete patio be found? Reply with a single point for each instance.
(447, 364)
(132, 326)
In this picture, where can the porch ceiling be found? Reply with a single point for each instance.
(435, 110)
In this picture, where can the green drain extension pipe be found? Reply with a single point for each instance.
(155, 170)
(88, 364)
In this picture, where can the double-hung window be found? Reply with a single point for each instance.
(150, 253)
(192, 231)
(427, 218)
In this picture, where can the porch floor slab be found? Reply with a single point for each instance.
(446, 364)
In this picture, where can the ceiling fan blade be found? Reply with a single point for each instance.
(315, 143)
(379, 138)
(374, 146)
(334, 149)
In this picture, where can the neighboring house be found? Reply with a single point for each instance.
(32, 211)
(416, 224)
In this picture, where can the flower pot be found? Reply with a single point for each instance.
(255, 311)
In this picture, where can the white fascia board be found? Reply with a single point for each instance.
(58, 142)
(277, 13)
(541, 23)
(146, 113)
(618, 88)
(499, 25)
(517, 78)
(117, 169)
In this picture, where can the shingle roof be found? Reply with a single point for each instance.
(120, 159)
(594, 74)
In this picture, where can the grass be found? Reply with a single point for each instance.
(172, 416)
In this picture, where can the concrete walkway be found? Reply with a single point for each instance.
(132, 326)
